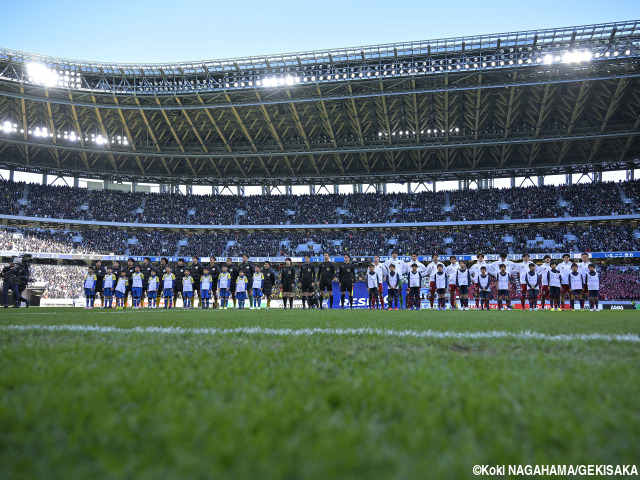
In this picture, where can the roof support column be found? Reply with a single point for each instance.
(11, 175)
(569, 180)
(541, 180)
(513, 181)
(630, 174)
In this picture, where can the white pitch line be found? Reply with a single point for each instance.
(347, 332)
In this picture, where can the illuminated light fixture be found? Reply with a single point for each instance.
(7, 127)
(607, 54)
(575, 56)
(548, 59)
(100, 140)
(39, 73)
(368, 74)
(520, 62)
(493, 64)
(615, 54)
(484, 64)
(627, 52)
(475, 65)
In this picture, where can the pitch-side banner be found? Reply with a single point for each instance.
(360, 295)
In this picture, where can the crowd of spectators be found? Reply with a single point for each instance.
(10, 193)
(534, 202)
(164, 208)
(63, 281)
(475, 205)
(557, 239)
(104, 206)
(51, 201)
(620, 283)
(583, 202)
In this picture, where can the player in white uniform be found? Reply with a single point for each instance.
(503, 279)
(592, 281)
(565, 269)
(442, 281)
(475, 274)
(576, 283)
(400, 267)
(463, 280)
(532, 280)
(494, 267)
(382, 272)
(483, 286)
(523, 269)
(422, 270)
(554, 281)
(374, 280)
(415, 281)
(451, 272)
(583, 269)
(432, 269)
(544, 269)
(394, 287)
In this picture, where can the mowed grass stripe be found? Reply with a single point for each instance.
(348, 332)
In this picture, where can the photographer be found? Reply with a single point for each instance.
(11, 277)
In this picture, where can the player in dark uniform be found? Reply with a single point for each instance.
(164, 261)
(269, 281)
(116, 268)
(326, 273)
(145, 269)
(233, 271)
(249, 269)
(179, 274)
(305, 279)
(196, 270)
(347, 277)
(99, 271)
(214, 271)
(287, 279)
(130, 269)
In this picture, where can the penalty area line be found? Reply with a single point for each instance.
(344, 332)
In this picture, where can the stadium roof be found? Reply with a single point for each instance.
(554, 100)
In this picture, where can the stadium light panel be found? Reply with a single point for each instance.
(7, 127)
(39, 73)
(548, 59)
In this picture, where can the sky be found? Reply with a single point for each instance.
(144, 31)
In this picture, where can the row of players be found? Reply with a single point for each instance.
(575, 281)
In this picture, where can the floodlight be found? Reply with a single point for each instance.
(39, 73)
(7, 127)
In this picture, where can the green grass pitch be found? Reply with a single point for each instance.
(254, 404)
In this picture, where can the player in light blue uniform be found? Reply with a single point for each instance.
(206, 284)
(90, 280)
